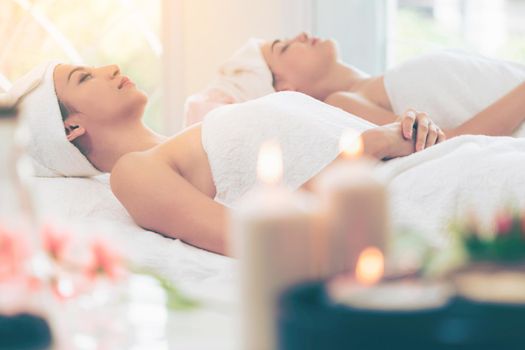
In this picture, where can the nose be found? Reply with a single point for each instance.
(302, 37)
(110, 71)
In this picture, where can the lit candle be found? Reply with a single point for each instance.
(355, 202)
(273, 236)
(366, 291)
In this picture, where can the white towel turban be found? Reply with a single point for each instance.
(245, 76)
(53, 155)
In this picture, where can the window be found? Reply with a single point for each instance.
(490, 27)
(95, 32)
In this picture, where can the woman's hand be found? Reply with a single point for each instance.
(387, 142)
(427, 132)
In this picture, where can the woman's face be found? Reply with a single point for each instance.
(98, 97)
(299, 63)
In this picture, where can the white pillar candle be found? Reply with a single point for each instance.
(273, 235)
(355, 204)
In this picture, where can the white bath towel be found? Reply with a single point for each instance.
(245, 75)
(451, 85)
(53, 155)
(307, 130)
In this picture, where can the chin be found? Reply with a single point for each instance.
(332, 49)
(142, 97)
(134, 108)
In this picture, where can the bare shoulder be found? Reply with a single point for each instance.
(162, 200)
(126, 170)
(136, 173)
(348, 101)
(339, 96)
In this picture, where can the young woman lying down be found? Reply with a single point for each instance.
(87, 120)
(463, 93)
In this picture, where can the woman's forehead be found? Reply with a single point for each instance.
(60, 77)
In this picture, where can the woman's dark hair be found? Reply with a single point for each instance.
(64, 111)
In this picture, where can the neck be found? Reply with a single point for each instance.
(342, 77)
(117, 141)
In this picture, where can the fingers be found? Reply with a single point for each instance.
(428, 133)
(441, 136)
(423, 128)
(432, 136)
(407, 123)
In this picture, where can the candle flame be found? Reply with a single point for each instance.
(270, 163)
(351, 144)
(370, 266)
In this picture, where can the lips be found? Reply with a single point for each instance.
(124, 82)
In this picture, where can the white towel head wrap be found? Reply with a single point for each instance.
(53, 155)
(245, 75)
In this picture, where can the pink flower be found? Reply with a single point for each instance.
(503, 224)
(522, 222)
(55, 242)
(106, 261)
(14, 252)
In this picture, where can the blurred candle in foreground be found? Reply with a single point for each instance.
(370, 266)
(272, 233)
(355, 204)
(367, 291)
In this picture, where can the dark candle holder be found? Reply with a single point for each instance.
(309, 320)
(24, 332)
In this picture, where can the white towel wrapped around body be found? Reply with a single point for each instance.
(451, 85)
(307, 130)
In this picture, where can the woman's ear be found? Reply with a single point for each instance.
(73, 130)
(281, 84)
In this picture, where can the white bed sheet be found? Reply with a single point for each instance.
(90, 205)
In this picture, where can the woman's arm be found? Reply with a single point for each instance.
(501, 118)
(160, 199)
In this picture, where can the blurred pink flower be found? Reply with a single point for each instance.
(14, 252)
(522, 222)
(504, 223)
(55, 242)
(105, 261)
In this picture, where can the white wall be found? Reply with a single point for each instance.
(359, 26)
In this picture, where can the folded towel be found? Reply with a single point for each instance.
(451, 85)
(53, 155)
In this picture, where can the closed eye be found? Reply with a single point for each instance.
(84, 77)
(285, 47)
